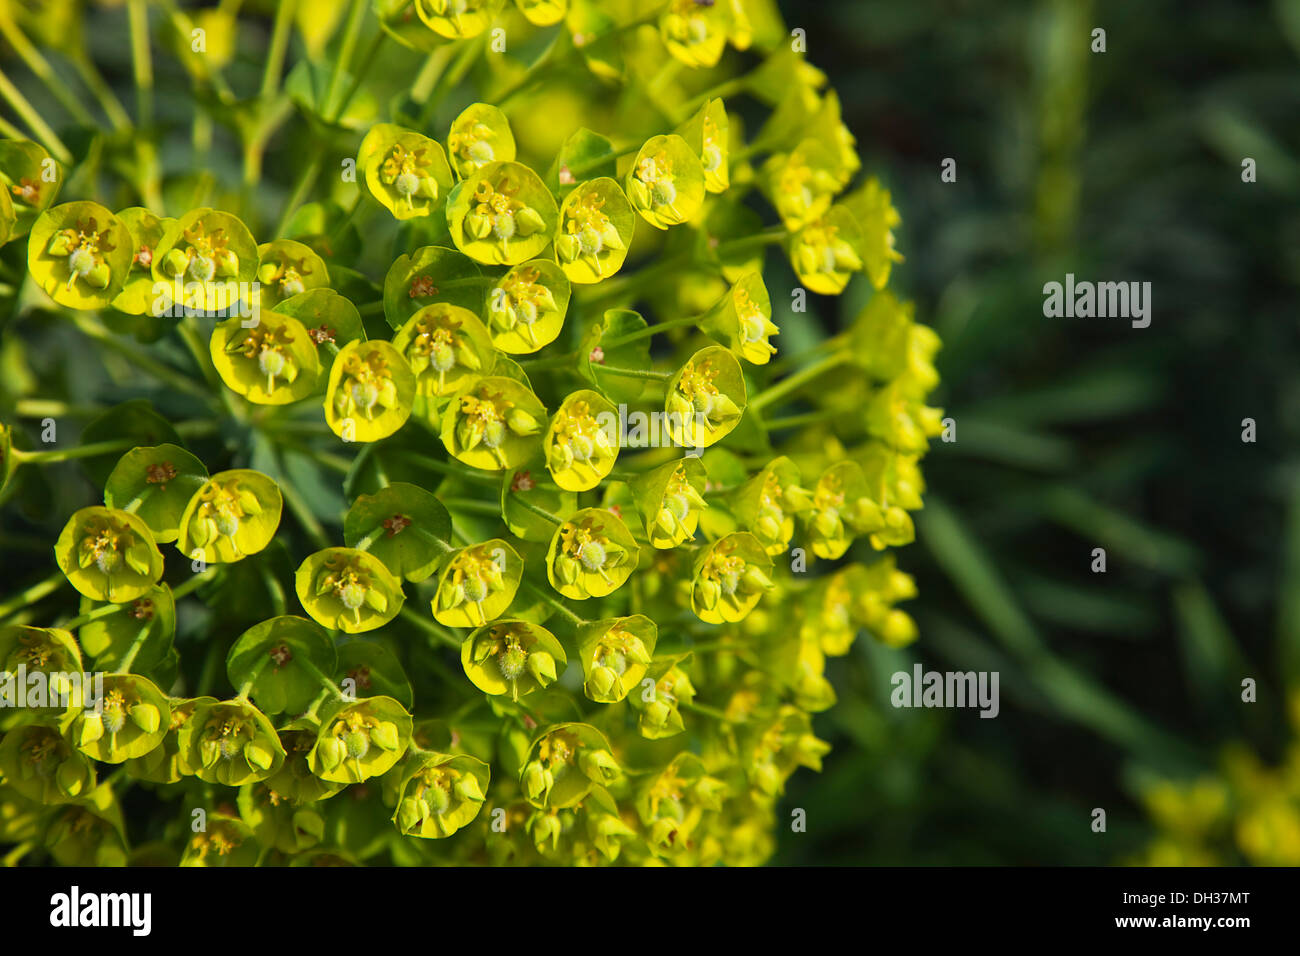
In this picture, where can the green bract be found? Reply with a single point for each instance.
(670, 499)
(581, 442)
(596, 226)
(48, 651)
(156, 484)
(146, 231)
(705, 398)
(406, 171)
(479, 136)
(512, 657)
(615, 654)
(279, 660)
(492, 423)
(206, 260)
(348, 590)
(230, 742)
(360, 739)
(403, 525)
(591, 555)
(730, 576)
(129, 721)
(31, 179)
(525, 308)
(564, 763)
(457, 19)
(440, 793)
(707, 132)
(503, 214)
(287, 268)
(41, 765)
(370, 391)
(234, 514)
(108, 554)
(444, 345)
(79, 254)
(666, 182)
(743, 317)
(476, 584)
(273, 363)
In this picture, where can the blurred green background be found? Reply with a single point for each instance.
(1081, 433)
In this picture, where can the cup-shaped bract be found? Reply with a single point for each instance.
(294, 781)
(279, 659)
(230, 742)
(802, 184)
(406, 171)
(108, 554)
(79, 253)
(564, 763)
(211, 258)
(493, 423)
(526, 306)
(503, 214)
(130, 720)
(168, 763)
(478, 136)
(234, 514)
(658, 707)
(226, 842)
(440, 793)
(38, 762)
(156, 484)
(773, 749)
(708, 133)
(30, 179)
(512, 657)
(146, 229)
(360, 739)
(673, 806)
(444, 345)
(743, 317)
(272, 363)
(825, 252)
(287, 268)
(596, 226)
(730, 576)
(591, 555)
(666, 182)
(51, 652)
(841, 504)
(403, 525)
(767, 504)
(581, 443)
(348, 590)
(615, 654)
(476, 584)
(457, 19)
(370, 393)
(670, 499)
(695, 33)
(706, 398)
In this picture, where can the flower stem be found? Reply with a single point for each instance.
(555, 603)
(351, 32)
(131, 652)
(797, 381)
(633, 372)
(28, 114)
(284, 11)
(305, 663)
(650, 330)
(32, 594)
(68, 454)
(431, 628)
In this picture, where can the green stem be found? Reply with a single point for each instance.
(797, 421)
(258, 666)
(705, 710)
(540, 512)
(650, 330)
(43, 71)
(465, 56)
(429, 627)
(797, 381)
(141, 61)
(28, 114)
(472, 507)
(462, 472)
(555, 603)
(193, 584)
(82, 620)
(32, 594)
(113, 108)
(632, 372)
(68, 454)
(129, 658)
(305, 663)
(302, 512)
(367, 60)
(530, 74)
(351, 32)
(164, 373)
(49, 408)
(284, 11)
(306, 180)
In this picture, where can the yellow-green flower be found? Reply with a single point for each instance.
(38, 762)
(512, 656)
(876, 217)
(211, 255)
(348, 590)
(24, 186)
(168, 763)
(705, 398)
(493, 423)
(673, 805)
(708, 133)
(129, 721)
(503, 214)
(659, 707)
(50, 651)
(525, 309)
(615, 654)
(360, 739)
(695, 31)
(666, 182)
(276, 822)
(591, 555)
(478, 136)
(235, 514)
(405, 170)
(231, 743)
(839, 503)
(581, 442)
(146, 229)
(596, 226)
(824, 253)
(802, 183)
(543, 13)
(370, 392)
(896, 416)
(89, 832)
(273, 363)
(226, 842)
(477, 584)
(108, 555)
(79, 253)
(457, 19)
(564, 763)
(294, 781)
(730, 576)
(670, 499)
(768, 502)
(288, 268)
(444, 345)
(440, 794)
(772, 751)
(744, 318)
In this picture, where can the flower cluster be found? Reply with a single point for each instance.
(559, 597)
